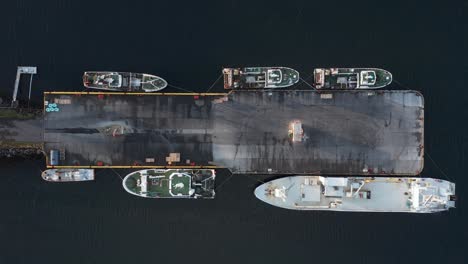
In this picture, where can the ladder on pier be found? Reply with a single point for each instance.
(19, 71)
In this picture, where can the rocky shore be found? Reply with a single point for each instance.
(20, 133)
(20, 153)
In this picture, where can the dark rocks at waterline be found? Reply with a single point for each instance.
(28, 153)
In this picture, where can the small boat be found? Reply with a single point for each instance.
(351, 78)
(123, 81)
(359, 194)
(259, 77)
(68, 175)
(171, 183)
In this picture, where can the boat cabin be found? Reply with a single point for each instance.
(112, 80)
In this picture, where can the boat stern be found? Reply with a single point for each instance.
(229, 78)
(319, 78)
(432, 195)
(447, 193)
(87, 80)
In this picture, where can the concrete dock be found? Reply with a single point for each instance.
(349, 133)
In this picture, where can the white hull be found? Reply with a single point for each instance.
(359, 194)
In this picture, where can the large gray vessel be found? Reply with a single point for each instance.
(359, 194)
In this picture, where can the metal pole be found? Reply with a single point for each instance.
(15, 91)
(30, 83)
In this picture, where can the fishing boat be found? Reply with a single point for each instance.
(351, 78)
(123, 81)
(68, 175)
(171, 183)
(259, 77)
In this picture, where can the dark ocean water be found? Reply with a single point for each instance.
(423, 44)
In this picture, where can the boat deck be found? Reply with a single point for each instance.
(375, 195)
(345, 132)
(160, 183)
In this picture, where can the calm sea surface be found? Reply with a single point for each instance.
(423, 45)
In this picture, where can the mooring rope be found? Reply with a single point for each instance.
(223, 182)
(437, 166)
(425, 152)
(180, 88)
(117, 174)
(308, 84)
(401, 85)
(219, 77)
(257, 180)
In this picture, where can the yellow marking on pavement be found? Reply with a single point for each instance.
(133, 94)
(132, 167)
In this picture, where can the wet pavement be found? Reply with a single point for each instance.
(358, 132)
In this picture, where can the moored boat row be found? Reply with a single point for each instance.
(348, 194)
(150, 183)
(324, 79)
(247, 78)
(351, 194)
